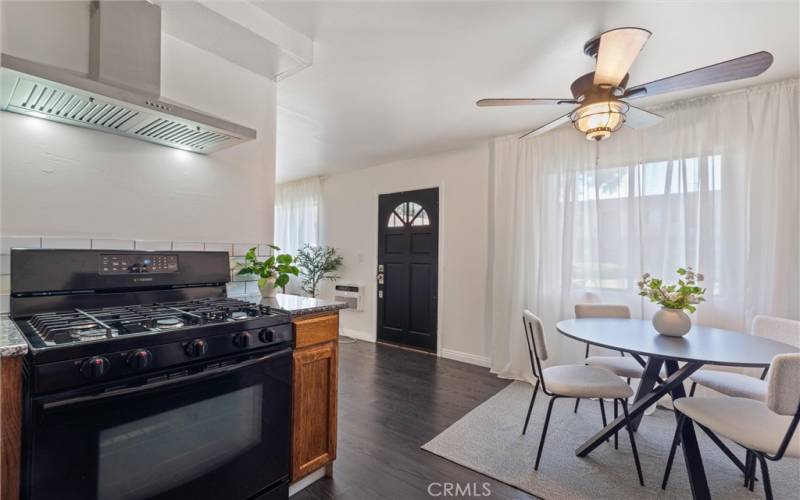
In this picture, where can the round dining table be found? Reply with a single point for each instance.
(701, 346)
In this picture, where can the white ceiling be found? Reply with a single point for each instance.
(398, 80)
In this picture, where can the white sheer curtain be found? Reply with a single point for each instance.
(714, 186)
(297, 214)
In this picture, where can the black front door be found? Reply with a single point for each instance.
(408, 247)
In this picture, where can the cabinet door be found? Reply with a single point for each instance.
(314, 408)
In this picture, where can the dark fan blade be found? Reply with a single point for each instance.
(522, 102)
(618, 49)
(550, 126)
(735, 69)
(639, 118)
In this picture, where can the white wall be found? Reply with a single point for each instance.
(59, 180)
(349, 223)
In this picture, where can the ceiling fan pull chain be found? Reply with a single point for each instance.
(596, 156)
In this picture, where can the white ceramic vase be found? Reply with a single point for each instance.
(672, 322)
(268, 289)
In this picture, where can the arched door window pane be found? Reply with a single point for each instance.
(408, 213)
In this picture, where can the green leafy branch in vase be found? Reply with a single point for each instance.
(685, 294)
(317, 263)
(277, 268)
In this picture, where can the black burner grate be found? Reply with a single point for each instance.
(95, 324)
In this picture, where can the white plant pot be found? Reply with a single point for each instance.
(672, 322)
(268, 289)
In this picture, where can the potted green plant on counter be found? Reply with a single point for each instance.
(272, 273)
(317, 263)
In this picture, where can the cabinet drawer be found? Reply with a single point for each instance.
(316, 330)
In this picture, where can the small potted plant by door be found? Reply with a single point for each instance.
(272, 273)
(674, 300)
(317, 263)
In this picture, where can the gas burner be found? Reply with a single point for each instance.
(88, 333)
(120, 321)
(169, 323)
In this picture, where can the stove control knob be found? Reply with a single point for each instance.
(140, 359)
(95, 367)
(241, 340)
(266, 335)
(196, 348)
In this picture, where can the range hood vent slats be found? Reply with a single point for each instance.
(68, 106)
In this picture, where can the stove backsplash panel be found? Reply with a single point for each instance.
(239, 285)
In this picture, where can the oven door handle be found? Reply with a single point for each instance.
(215, 372)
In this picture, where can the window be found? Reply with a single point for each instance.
(408, 214)
(297, 214)
(666, 209)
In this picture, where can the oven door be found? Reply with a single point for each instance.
(220, 433)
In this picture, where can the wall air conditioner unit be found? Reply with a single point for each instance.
(350, 294)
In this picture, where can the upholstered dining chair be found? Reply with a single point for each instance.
(739, 385)
(571, 381)
(767, 430)
(744, 386)
(623, 366)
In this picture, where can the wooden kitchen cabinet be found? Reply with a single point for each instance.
(10, 426)
(315, 393)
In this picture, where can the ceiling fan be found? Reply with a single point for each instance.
(599, 95)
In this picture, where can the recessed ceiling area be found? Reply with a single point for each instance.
(399, 80)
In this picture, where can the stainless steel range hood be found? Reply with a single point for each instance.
(121, 92)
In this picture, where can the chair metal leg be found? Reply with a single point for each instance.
(752, 476)
(727, 451)
(691, 391)
(544, 433)
(749, 462)
(603, 412)
(577, 401)
(616, 434)
(765, 476)
(633, 441)
(530, 407)
(676, 439)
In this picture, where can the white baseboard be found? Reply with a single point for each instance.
(358, 335)
(306, 481)
(466, 357)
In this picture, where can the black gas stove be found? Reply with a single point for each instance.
(147, 379)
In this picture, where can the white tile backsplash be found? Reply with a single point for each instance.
(240, 249)
(252, 287)
(106, 244)
(187, 245)
(219, 247)
(153, 245)
(237, 288)
(68, 243)
(263, 250)
(9, 242)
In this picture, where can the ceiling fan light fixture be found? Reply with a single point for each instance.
(599, 119)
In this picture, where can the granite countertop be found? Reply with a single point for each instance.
(11, 341)
(295, 304)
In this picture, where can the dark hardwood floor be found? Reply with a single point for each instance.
(391, 402)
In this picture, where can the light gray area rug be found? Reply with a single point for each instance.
(489, 440)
